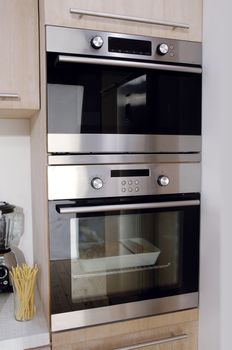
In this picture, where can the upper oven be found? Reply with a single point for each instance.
(115, 93)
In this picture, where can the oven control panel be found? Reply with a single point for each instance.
(100, 44)
(111, 180)
(130, 186)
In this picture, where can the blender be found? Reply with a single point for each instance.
(11, 224)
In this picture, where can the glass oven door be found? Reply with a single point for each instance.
(122, 253)
(92, 104)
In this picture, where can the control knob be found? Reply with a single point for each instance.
(163, 180)
(97, 42)
(3, 272)
(162, 49)
(97, 183)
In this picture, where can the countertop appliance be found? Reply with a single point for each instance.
(117, 93)
(9, 223)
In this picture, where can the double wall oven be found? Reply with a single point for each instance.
(124, 143)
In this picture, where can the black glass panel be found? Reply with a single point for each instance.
(120, 100)
(122, 256)
(129, 172)
(130, 46)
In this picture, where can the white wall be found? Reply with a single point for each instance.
(216, 219)
(15, 174)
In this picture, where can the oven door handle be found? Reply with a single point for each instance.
(133, 64)
(117, 207)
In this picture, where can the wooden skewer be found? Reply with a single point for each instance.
(24, 279)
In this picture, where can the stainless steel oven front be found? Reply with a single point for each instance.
(116, 93)
(124, 237)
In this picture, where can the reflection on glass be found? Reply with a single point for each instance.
(65, 107)
(111, 258)
(131, 101)
(122, 100)
(123, 256)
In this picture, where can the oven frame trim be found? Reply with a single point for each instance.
(98, 159)
(121, 312)
(121, 143)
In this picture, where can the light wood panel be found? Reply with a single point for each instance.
(181, 11)
(19, 58)
(128, 333)
(119, 334)
(39, 187)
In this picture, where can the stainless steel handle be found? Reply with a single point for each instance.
(116, 207)
(133, 64)
(9, 95)
(129, 18)
(155, 342)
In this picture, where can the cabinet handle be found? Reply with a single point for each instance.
(155, 342)
(128, 18)
(9, 95)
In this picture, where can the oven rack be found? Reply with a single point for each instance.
(122, 270)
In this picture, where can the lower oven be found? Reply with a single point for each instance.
(124, 240)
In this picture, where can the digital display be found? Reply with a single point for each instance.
(130, 172)
(130, 46)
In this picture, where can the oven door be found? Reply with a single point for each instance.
(112, 106)
(122, 259)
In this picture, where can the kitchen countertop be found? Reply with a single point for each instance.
(15, 335)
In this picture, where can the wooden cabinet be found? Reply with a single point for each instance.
(19, 58)
(188, 12)
(174, 331)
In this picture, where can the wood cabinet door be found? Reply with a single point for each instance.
(188, 12)
(19, 58)
(174, 331)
